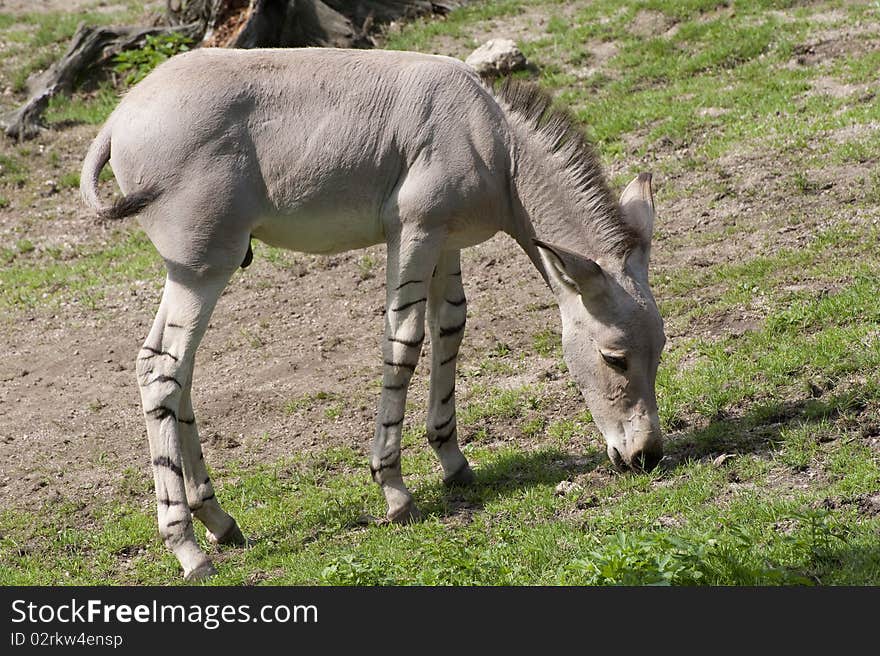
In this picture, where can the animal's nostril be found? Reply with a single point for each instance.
(646, 459)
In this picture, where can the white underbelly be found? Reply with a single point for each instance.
(464, 233)
(328, 233)
(319, 233)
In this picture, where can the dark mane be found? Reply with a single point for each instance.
(565, 138)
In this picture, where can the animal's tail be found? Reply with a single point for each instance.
(97, 156)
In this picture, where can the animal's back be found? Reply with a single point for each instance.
(323, 134)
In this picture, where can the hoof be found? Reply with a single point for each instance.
(201, 573)
(233, 536)
(405, 515)
(463, 477)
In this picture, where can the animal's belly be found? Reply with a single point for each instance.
(319, 232)
(469, 232)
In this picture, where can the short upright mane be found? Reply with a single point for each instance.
(565, 138)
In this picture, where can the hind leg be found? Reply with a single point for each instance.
(222, 527)
(164, 371)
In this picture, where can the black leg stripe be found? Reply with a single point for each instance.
(440, 440)
(206, 481)
(449, 359)
(408, 342)
(446, 398)
(457, 273)
(170, 502)
(445, 423)
(161, 413)
(408, 282)
(178, 522)
(458, 303)
(389, 424)
(154, 352)
(451, 330)
(401, 365)
(168, 463)
(385, 465)
(394, 387)
(171, 540)
(165, 379)
(208, 498)
(400, 308)
(187, 421)
(174, 325)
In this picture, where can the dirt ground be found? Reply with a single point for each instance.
(70, 416)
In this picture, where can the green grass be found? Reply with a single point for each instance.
(419, 34)
(77, 275)
(92, 110)
(303, 515)
(12, 171)
(310, 400)
(548, 342)
(491, 404)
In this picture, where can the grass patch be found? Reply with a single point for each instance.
(486, 404)
(548, 343)
(12, 170)
(311, 400)
(78, 276)
(302, 516)
(92, 110)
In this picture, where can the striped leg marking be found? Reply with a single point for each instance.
(408, 281)
(222, 528)
(447, 315)
(164, 372)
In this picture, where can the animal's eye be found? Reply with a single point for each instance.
(616, 361)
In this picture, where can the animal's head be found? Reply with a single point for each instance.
(612, 334)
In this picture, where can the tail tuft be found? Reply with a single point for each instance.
(128, 205)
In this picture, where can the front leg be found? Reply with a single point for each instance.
(410, 262)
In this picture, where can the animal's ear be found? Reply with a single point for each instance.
(572, 272)
(637, 206)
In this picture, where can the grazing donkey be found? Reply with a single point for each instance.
(322, 151)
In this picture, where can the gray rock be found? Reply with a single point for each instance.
(497, 56)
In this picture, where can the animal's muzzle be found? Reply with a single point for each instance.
(647, 458)
(641, 450)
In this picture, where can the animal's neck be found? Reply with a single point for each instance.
(545, 205)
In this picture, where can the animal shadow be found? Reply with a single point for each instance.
(507, 473)
(760, 430)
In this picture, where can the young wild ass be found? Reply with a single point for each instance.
(322, 151)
